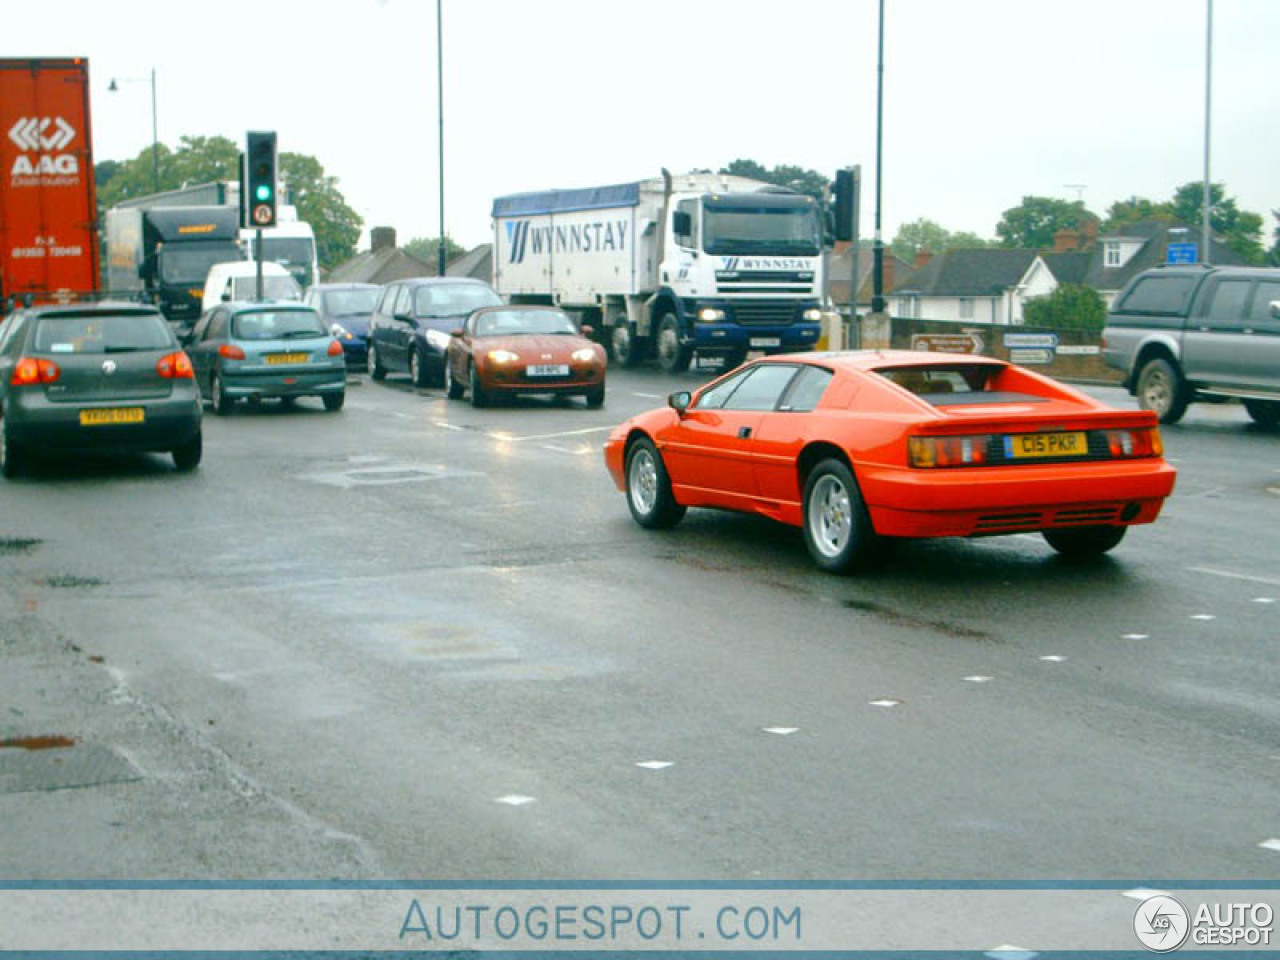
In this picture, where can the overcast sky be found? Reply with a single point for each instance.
(985, 101)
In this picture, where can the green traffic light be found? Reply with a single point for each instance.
(263, 192)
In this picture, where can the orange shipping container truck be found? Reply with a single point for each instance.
(48, 211)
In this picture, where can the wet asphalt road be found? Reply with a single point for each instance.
(417, 640)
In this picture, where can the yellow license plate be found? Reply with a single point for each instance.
(99, 418)
(286, 358)
(1046, 445)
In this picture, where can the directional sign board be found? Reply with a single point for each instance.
(1182, 253)
(947, 342)
(1031, 355)
(1042, 340)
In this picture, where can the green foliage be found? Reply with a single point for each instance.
(799, 179)
(1273, 255)
(1137, 210)
(1240, 229)
(924, 234)
(1032, 224)
(206, 159)
(425, 249)
(1071, 306)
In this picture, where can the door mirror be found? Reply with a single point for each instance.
(679, 402)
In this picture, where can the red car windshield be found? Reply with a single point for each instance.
(506, 323)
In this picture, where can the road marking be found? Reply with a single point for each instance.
(647, 396)
(1235, 576)
(514, 800)
(562, 433)
(887, 702)
(1136, 636)
(1264, 599)
(1054, 658)
(781, 731)
(1010, 952)
(1203, 616)
(575, 451)
(977, 678)
(655, 764)
(449, 426)
(1272, 844)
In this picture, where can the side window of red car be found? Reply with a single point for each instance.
(714, 398)
(806, 389)
(761, 388)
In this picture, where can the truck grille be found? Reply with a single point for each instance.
(753, 313)
(765, 281)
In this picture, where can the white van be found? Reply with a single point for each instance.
(238, 280)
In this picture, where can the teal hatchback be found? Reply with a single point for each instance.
(266, 351)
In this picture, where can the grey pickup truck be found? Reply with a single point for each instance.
(1187, 333)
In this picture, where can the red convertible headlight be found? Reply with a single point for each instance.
(947, 451)
(1139, 442)
(585, 355)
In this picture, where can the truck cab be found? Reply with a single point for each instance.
(290, 243)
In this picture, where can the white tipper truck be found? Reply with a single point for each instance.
(712, 264)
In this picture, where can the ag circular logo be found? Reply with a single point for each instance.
(1161, 924)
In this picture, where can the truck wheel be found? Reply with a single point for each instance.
(626, 345)
(1162, 390)
(672, 357)
(1265, 413)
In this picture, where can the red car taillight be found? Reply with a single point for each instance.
(1139, 442)
(175, 366)
(335, 348)
(947, 451)
(32, 370)
(230, 351)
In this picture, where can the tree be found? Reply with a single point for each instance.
(1137, 210)
(1071, 306)
(1241, 229)
(924, 234)
(1273, 256)
(207, 159)
(1032, 224)
(424, 248)
(809, 182)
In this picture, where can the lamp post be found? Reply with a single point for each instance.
(877, 287)
(441, 258)
(155, 140)
(1205, 234)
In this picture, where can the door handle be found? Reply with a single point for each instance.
(744, 432)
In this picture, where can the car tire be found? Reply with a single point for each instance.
(13, 459)
(1162, 390)
(649, 495)
(478, 396)
(373, 364)
(187, 457)
(452, 387)
(222, 404)
(837, 526)
(625, 345)
(417, 369)
(1080, 542)
(333, 401)
(595, 398)
(1265, 413)
(672, 356)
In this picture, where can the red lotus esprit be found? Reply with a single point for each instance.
(862, 447)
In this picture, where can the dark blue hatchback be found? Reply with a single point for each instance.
(413, 321)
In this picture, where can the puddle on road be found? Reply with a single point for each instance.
(898, 618)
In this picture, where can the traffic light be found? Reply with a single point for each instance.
(260, 178)
(845, 193)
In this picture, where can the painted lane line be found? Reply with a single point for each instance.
(977, 678)
(515, 800)
(1136, 636)
(1235, 576)
(573, 452)
(1143, 893)
(655, 764)
(553, 436)
(1264, 599)
(1010, 952)
(1203, 616)
(449, 426)
(886, 702)
(781, 731)
(1054, 658)
(1272, 844)
(647, 396)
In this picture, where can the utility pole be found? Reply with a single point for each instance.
(877, 299)
(1205, 234)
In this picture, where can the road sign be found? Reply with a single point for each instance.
(263, 214)
(947, 342)
(1182, 253)
(1042, 340)
(1031, 357)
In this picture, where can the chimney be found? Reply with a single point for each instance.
(382, 238)
(1065, 240)
(922, 258)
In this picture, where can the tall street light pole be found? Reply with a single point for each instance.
(1205, 233)
(155, 139)
(877, 299)
(440, 252)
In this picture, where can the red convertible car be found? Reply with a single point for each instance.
(862, 447)
(523, 349)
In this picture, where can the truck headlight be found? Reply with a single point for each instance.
(438, 339)
(812, 315)
(710, 314)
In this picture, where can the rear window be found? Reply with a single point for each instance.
(102, 333)
(276, 325)
(952, 385)
(1160, 295)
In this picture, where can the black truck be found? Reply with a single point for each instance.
(164, 254)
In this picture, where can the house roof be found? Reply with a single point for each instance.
(380, 266)
(979, 272)
(840, 266)
(1070, 266)
(477, 263)
(1154, 235)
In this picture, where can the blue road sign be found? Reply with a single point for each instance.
(1183, 253)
